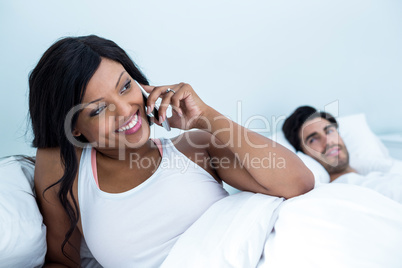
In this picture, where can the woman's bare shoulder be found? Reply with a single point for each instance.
(49, 167)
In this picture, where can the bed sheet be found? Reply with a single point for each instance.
(231, 233)
(387, 184)
(334, 225)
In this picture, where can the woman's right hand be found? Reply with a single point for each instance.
(189, 111)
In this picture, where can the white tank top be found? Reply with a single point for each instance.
(137, 228)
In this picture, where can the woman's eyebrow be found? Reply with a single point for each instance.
(91, 102)
(118, 80)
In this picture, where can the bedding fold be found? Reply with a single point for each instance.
(334, 225)
(231, 233)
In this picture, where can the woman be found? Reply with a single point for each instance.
(128, 198)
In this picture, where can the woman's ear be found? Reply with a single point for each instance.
(76, 133)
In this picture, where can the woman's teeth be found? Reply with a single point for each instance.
(130, 125)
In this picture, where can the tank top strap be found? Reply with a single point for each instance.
(87, 156)
(167, 145)
(93, 164)
(87, 168)
(158, 143)
(92, 152)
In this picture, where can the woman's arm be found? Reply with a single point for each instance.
(270, 168)
(279, 171)
(48, 170)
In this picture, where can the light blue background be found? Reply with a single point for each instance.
(244, 58)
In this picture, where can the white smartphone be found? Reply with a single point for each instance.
(155, 112)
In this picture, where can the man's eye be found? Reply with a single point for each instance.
(97, 111)
(310, 141)
(126, 87)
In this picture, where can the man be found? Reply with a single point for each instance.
(316, 134)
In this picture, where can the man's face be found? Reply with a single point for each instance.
(320, 140)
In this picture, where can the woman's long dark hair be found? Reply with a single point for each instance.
(56, 85)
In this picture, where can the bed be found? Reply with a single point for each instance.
(334, 225)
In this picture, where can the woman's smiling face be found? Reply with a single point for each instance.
(113, 115)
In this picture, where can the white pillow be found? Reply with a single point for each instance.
(23, 234)
(367, 152)
(319, 172)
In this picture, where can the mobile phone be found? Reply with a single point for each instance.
(155, 112)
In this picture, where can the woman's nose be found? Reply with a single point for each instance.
(122, 109)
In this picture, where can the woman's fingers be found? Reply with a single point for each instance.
(153, 97)
(175, 102)
(148, 88)
(169, 95)
(172, 97)
(186, 104)
(166, 101)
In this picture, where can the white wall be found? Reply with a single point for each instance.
(266, 56)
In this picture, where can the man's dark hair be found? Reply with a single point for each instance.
(294, 122)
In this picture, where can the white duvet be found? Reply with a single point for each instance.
(335, 225)
(387, 184)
